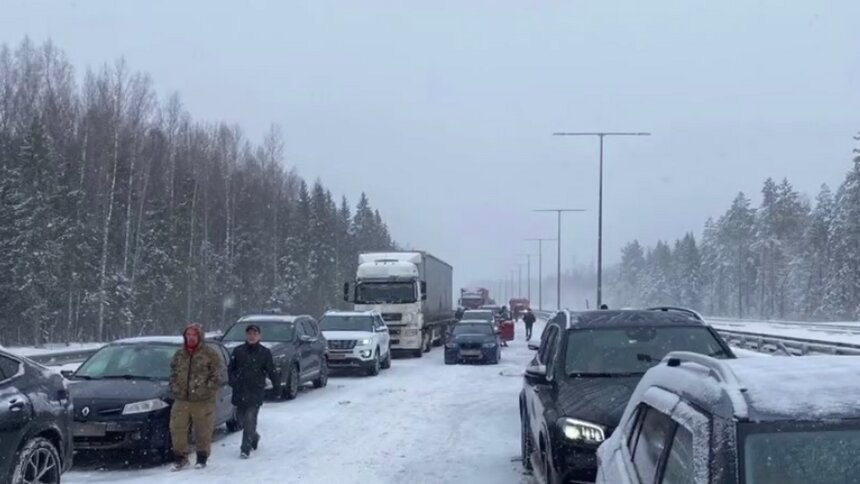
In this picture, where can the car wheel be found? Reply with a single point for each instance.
(373, 368)
(322, 379)
(450, 361)
(418, 353)
(234, 424)
(386, 363)
(525, 442)
(36, 462)
(291, 386)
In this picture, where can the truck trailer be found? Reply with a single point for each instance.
(474, 297)
(413, 290)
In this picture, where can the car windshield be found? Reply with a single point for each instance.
(275, 331)
(143, 361)
(479, 315)
(632, 351)
(346, 323)
(803, 455)
(473, 328)
(385, 292)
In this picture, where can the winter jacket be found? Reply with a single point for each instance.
(529, 318)
(196, 376)
(249, 366)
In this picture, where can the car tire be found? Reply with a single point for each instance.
(373, 368)
(386, 363)
(418, 353)
(291, 386)
(322, 379)
(525, 442)
(37, 456)
(234, 424)
(450, 361)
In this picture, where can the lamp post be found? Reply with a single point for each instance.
(559, 211)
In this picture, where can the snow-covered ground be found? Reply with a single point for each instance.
(823, 332)
(421, 422)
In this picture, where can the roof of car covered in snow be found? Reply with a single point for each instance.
(351, 313)
(775, 388)
(625, 318)
(276, 317)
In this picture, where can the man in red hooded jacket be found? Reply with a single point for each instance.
(196, 375)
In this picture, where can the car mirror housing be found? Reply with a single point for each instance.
(536, 375)
(534, 346)
(67, 373)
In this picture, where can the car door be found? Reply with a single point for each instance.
(15, 409)
(303, 349)
(319, 345)
(382, 334)
(540, 398)
(224, 404)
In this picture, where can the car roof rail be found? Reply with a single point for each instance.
(676, 309)
(719, 370)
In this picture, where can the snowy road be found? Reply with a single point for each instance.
(421, 422)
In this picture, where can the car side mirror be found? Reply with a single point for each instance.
(534, 346)
(536, 375)
(67, 373)
(423, 290)
(382, 329)
(306, 339)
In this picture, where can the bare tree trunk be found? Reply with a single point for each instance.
(105, 238)
(136, 250)
(127, 243)
(189, 291)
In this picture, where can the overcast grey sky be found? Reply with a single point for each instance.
(442, 110)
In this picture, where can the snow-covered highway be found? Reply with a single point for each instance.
(421, 422)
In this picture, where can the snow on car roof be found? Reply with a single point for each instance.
(173, 340)
(474, 321)
(800, 388)
(350, 313)
(606, 318)
(286, 318)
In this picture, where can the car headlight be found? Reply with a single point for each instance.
(410, 332)
(581, 431)
(450, 345)
(144, 406)
(489, 345)
(364, 342)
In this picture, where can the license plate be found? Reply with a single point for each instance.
(471, 352)
(89, 429)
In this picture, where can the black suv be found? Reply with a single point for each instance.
(699, 420)
(298, 348)
(587, 366)
(35, 422)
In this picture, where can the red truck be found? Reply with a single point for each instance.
(474, 297)
(518, 305)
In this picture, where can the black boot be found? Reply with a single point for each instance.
(180, 462)
(255, 442)
(202, 457)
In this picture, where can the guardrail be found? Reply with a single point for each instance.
(766, 343)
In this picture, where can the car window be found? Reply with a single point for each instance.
(545, 344)
(679, 464)
(300, 329)
(650, 444)
(312, 329)
(551, 351)
(379, 322)
(8, 367)
(635, 428)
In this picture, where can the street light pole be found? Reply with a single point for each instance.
(528, 275)
(600, 135)
(559, 211)
(540, 242)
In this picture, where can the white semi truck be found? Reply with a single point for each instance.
(412, 290)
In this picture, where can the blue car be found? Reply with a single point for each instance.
(473, 341)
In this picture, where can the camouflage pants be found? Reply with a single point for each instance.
(197, 415)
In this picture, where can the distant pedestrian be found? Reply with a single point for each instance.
(196, 375)
(529, 319)
(250, 364)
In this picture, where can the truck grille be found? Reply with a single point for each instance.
(470, 346)
(392, 316)
(393, 331)
(342, 344)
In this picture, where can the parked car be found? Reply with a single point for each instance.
(298, 348)
(473, 340)
(700, 420)
(35, 422)
(122, 397)
(588, 364)
(357, 339)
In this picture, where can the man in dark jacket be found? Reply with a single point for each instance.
(250, 364)
(529, 319)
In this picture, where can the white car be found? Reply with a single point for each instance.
(357, 339)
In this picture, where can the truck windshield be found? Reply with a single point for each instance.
(385, 293)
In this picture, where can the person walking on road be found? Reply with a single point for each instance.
(249, 366)
(196, 375)
(529, 319)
